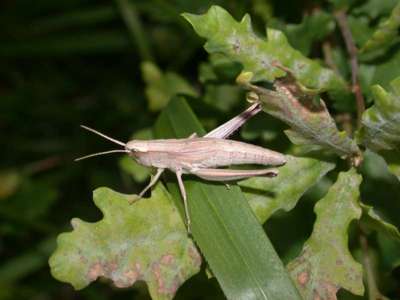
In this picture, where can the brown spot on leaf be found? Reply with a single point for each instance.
(316, 296)
(112, 266)
(138, 267)
(131, 275)
(303, 278)
(160, 281)
(330, 289)
(95, 271)
(236, 46)
(339, 262)
(195, 255)
(167, 259)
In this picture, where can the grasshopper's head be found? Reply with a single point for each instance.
(137, 146)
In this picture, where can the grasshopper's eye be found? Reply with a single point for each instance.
(137, 146)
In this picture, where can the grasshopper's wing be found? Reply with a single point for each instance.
(228, 174)
(226, 129)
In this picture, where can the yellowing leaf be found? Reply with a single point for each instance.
(310, 122)
(143, 241)
(238, 41)
(325, 264)
(268, 195)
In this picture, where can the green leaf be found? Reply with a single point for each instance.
(268, 195)
(381, 122)
(143, 241)
(386, 32)
(160, 87)
(390, 250)
(325, 264)
(392, 159)
(375, 8)
(310, 122)
(229, 235)
(223, 96)
(375, 166)
(238, 41)
(219, 68)
(312, 28)
(372, 220)
(360, 29)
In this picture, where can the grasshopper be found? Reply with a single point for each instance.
(200, 156)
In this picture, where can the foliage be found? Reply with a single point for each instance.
(325, 264)
(238, 41)
(139, 70)
(144, 241)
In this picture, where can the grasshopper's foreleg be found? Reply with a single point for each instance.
(184, 197)
(152, 182)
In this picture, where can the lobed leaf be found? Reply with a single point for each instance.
(268, 195)
(394, 166)
(312, 28)
(385, 34)
(325, 264)
(374, 8)
(310, 122)
(372, 220)
(238, 42)
(381, 122)
(392, 159)
(143, 241)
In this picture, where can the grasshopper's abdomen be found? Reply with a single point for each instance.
(229, 152)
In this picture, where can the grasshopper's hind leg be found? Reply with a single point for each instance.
(184, 197)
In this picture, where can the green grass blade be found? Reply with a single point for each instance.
(130, 16)
(232, 241)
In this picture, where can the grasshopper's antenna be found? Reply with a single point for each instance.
(101, 153)
(103, 135)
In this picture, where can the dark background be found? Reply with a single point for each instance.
(70, 62)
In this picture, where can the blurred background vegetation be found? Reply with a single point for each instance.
(113, 65)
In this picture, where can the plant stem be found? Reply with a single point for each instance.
(373, 292)
(132, 21)
(42, 165)
(352, 51)
(327, 51)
